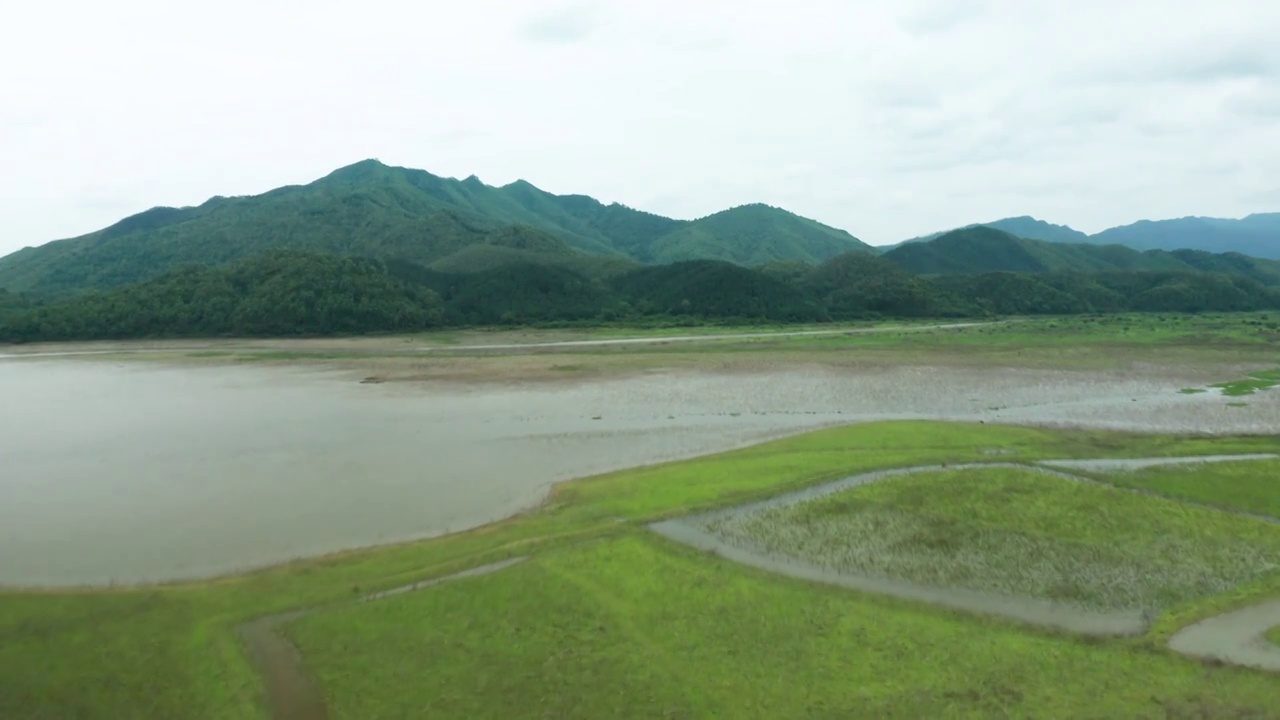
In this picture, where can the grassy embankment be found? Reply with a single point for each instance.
(1024, 533)
(606, 620)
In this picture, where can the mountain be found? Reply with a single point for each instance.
(981, 249)
(374, 210)
(1257, 235)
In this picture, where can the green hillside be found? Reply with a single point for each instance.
(373, 210)
(714, 288)
(857, 285)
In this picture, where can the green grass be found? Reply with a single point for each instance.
(1192, 391)
(1019, 532)
(1250, 486)
(633, 627)
(171, 652)
(1262, 380)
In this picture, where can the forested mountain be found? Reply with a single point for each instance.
(372, 210)
(981, 249)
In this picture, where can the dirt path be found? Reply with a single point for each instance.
(1130, 464)
(292, 694)
(701, 338)
(1236, 637)
(51, 350)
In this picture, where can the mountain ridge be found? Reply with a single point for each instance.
(376, 210)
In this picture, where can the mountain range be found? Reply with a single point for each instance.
(457, 227)
(371, 209)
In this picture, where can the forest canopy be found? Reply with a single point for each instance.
(282, 293)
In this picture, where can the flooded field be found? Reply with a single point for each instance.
(128, 472)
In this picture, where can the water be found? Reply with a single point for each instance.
(132, 472)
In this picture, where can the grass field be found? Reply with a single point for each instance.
(634, 627)
(656, 629)
(1261, 380)
(1252, 487)
(1022, 533)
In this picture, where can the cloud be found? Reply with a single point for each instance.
(1260, 102)
(567, 25)
(938, 16)
(888, 118)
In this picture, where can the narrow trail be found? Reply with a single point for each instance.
(663, 339)
(9, 353)
(1236, 637)
(292, 694)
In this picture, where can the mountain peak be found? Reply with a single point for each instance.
(362, 171)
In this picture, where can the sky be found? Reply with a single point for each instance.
(889, 119)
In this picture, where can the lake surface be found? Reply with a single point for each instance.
(132, 471)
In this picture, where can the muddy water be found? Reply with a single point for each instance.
(130, 472)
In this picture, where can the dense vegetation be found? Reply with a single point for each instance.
(280, 293)
(372, 210)
(293, 293)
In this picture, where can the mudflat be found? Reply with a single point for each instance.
(126, 472)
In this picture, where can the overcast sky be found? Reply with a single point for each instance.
(887, 118)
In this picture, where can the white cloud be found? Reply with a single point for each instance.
(886, 118)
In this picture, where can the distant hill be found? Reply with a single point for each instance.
(981, 249)
(1256, 235)
(1023, 226)
(1033, 229)
(373, 210)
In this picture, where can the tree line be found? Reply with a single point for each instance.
(280, 293)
